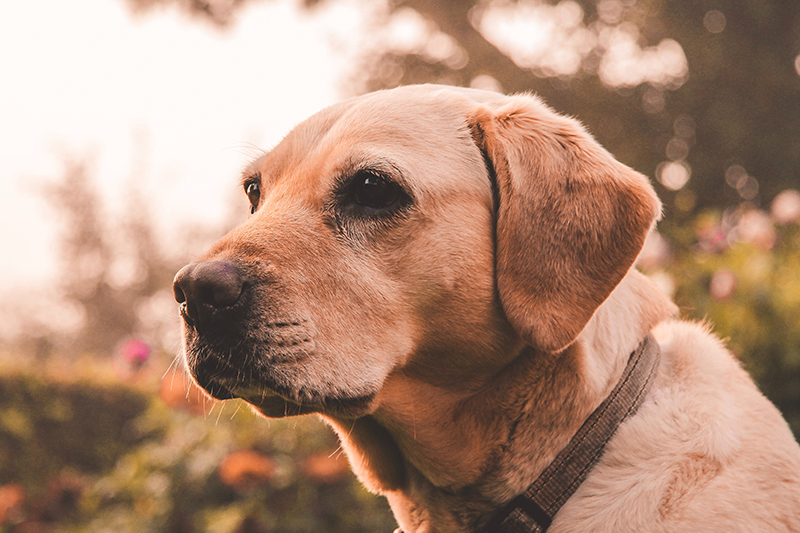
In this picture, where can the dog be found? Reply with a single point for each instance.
(446, 276)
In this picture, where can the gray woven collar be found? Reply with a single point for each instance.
(533, 511)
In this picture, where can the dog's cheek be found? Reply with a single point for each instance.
(448, 278)
(363, 338)
(362, 327)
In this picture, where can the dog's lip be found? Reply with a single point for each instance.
(213, 387)
(275, 405)
(270, 403)
(219, 392)
(254, 394)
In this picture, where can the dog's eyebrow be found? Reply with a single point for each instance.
(249, 176)
(251, 167)
(360, 162)
(250, 173)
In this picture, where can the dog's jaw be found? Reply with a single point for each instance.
(273, 405)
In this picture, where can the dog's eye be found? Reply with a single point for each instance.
(253, 191)
(374, 191)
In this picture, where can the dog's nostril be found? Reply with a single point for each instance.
(179, 296)
(182, 283)
(203, 287)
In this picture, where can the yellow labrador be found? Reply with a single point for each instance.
(445, 276)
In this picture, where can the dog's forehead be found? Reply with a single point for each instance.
(295, 144)
(423, 131)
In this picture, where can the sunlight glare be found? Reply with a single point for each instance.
(627, 64)
(410, 32)
(552, 40)
(549, 39)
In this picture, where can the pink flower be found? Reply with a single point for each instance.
(135, 352)
(712, 238)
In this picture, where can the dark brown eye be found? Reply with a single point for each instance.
(375, 192)
(253, 191)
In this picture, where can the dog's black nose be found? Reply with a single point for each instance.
(204, 287)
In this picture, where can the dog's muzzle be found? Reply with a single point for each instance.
(207, 293)
(233, 349)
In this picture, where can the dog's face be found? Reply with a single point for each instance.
(370, 235)
(396, 233)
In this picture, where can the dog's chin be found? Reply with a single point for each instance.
(275, 406)
(272, 390)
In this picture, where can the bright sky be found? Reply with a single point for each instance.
(161, 92)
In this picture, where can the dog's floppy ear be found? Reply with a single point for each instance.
(571, 220)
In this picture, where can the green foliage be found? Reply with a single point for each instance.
(173, 484)
(46, 426)
(109, 457)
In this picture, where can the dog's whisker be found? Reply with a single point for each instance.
(338, 451)
(238, 407)
(221, 408)
(206, 401)
(251, 150)
(172, 366)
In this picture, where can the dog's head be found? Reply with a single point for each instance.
(425, 229)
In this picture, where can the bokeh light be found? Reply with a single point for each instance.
(714, 21)
(674, 175)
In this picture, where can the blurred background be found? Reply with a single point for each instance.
(124, 124)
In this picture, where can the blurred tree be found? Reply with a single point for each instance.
(85, 258)
(109, 267)
(218, 12)
(727, 95)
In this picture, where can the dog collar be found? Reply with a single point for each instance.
(533, 511)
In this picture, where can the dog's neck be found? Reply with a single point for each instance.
(487, 441)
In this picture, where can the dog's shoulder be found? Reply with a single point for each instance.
(699, 374)
(706, 451)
